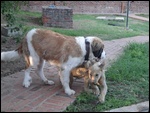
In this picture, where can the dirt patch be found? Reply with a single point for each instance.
(7, 68)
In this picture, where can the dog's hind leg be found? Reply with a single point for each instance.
(27, 78)
(40, 73)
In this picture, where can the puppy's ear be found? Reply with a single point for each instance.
(102, 64)
(90, 62)
(87, 64)
(94, 60)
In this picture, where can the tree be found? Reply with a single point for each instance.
(9, 8)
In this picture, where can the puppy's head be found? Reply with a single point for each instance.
(95, 70)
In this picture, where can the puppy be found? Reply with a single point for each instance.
(66, 52)
(94, 77)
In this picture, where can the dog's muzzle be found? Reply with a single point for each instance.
(98, 53)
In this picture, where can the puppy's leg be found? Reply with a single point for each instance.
(95, 89)
(65, 79)
(103, 87)
(86, 85)
(40, 73)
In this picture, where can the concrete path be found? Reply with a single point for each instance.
(132, 15)
(140, 107)
(138, 17)
(44, 98)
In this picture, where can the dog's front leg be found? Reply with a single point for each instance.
(86, 85)
(95, 89)
(103, 87)
(65, 79)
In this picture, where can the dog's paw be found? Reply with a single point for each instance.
(101, 99)
(70, 92)
(50, 82)
(96, 92)
(26, 83)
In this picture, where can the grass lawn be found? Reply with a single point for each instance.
(127, 80)
(88, 25)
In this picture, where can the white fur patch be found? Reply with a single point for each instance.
(72, 62)
(81, 41)
(103, 55)
(90, 38)
(9, 55)
(34, 58)
(27, 78)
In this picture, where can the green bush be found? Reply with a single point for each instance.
(9, 8)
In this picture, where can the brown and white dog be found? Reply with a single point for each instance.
(93, 73)
(67, 52)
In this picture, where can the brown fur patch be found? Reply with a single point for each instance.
(53, 46)
(97, 44)
(19, 49)
(26, 52)
(23, 49)
(79, 72)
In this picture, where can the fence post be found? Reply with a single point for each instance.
(127, 26)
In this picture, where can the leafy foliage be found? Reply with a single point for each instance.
(9, 8)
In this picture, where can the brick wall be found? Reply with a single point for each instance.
(93, 7)
(57, 17)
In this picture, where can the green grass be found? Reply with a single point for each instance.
(87, 25)
(127, 80)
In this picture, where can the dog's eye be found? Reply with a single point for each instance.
(96, 75)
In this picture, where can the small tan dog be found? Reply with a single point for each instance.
(94, 75)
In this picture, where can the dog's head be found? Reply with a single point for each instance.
(97, 46)
(95, 70)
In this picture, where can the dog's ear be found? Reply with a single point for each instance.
(97, 44)
(97, 47)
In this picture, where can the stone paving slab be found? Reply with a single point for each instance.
(44, 98)
(140, 107)
(110, 18)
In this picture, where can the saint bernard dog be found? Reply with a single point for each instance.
(67, 52)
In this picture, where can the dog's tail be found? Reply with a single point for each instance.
(12, 55)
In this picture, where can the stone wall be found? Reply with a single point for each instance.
(93, 7)
(57, 17)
